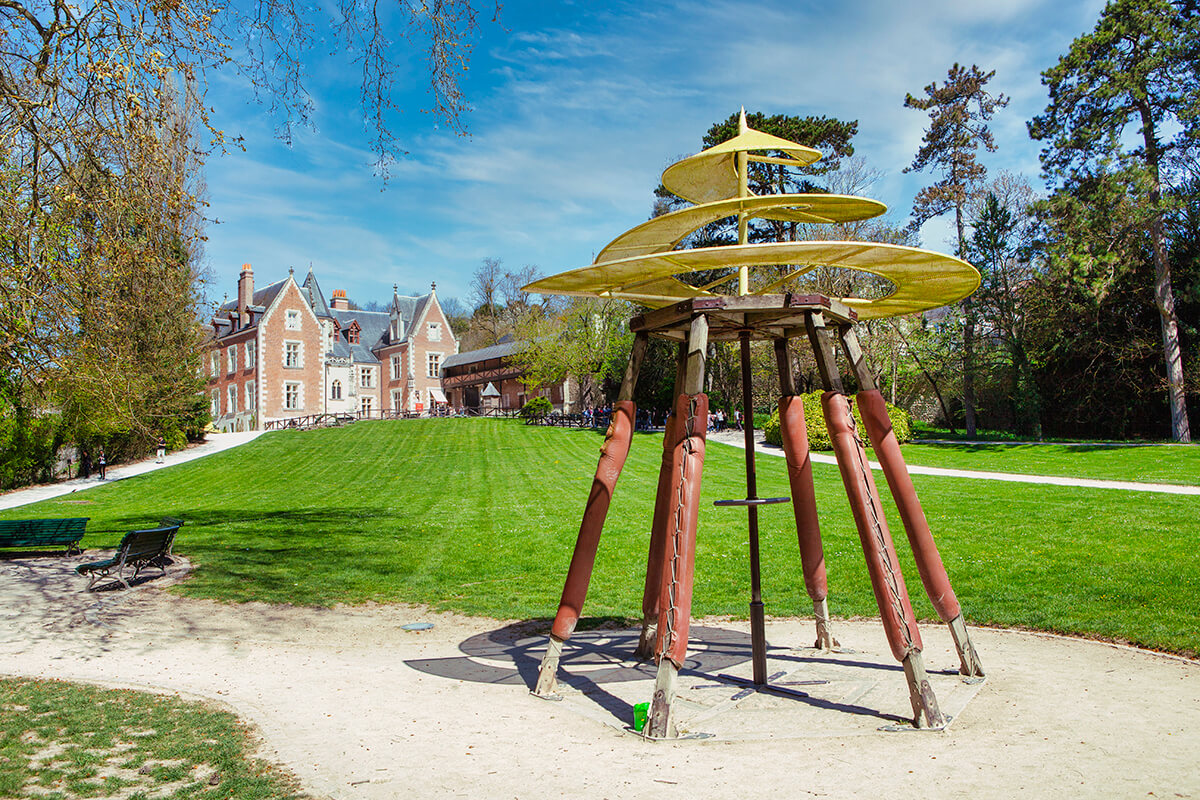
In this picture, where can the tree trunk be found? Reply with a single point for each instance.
(1164, 298)
(1029, 401)
(925, 372)
(968, 359)
(968, 384)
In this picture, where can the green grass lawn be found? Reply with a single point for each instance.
(61, 740)
(480, 516)
(1164, 463)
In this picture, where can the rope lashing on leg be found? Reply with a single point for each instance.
(669, 634)
(893, 583)
(856, 473)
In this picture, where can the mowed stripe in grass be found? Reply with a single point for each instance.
(1164, 463)
(480, 516)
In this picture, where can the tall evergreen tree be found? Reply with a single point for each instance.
(1140, 67)
(959, 111)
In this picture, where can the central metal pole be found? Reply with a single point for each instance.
(758, 633)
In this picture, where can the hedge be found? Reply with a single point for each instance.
(818, 435)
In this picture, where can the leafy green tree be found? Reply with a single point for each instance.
(584, 338)
(959, 111)
(1091, 319)
(1000, 247)
(1139, 67)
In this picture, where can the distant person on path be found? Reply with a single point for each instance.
(85, 464)
(102, 462)
(162, 450)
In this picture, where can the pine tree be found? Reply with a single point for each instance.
(958, 113)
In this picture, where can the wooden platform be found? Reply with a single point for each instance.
(766, 317)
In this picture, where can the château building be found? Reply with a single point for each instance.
(283, 351)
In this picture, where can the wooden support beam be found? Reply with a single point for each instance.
(858, 361)
(926, 713)
(697, 353)
(821, 339)
(661, 722)
(783, 359)
(548, 672)
(636, 355)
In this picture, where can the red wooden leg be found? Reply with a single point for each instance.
(804, 503)
(891, 595)
(612, 459)
(675, 595)
(658, 541)
(929, 561)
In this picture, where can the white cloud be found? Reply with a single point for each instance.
(575, 120)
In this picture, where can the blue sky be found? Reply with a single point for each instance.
(578, 107)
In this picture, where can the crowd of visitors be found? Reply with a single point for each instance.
(649, 419)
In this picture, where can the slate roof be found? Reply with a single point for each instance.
(373, 332)
(316, 298)
(262, 297)
(483, 354)
(374, 326)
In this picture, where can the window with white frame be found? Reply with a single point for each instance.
(435, 331)
(366, 377)
(396, 367)
(251, 396)
(231, 356)
(216, 363)
(291, 354)
(291, 395)
(251, 354)
(233, 398)
(366, 405)
(396, 396)
(433, 364)
(335, 390)
(216, 403)
(293, 320)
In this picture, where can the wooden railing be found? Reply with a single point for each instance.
(334, 419)
(571, 420)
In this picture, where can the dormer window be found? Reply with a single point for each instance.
(354, 333)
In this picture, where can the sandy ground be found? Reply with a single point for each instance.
(358, 707)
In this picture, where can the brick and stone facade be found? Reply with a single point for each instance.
(283, 352)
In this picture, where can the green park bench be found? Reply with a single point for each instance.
(35, 534)
(139, 549)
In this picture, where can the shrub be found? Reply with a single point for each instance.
(818, 435)
(28, 446)
(537, 407)
(175, 439)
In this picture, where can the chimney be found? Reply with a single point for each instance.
(340, 302)
(245, 294)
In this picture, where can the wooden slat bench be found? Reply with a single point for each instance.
(169, 522)
(139, 549)
(35, 534)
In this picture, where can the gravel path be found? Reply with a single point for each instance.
(213, 443)
(736, 439)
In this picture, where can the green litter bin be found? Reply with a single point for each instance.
(640, 712)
